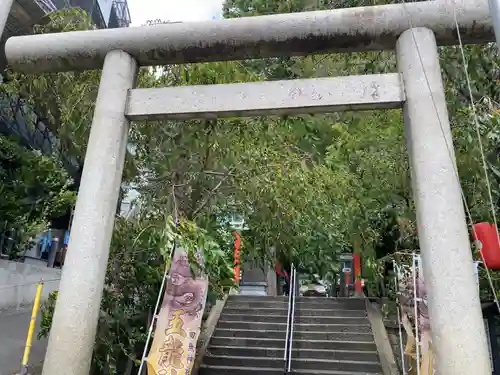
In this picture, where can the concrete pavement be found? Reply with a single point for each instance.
(13, 330)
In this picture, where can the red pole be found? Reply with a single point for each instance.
(237, 244)
(357, 273)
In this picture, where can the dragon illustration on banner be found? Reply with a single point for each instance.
(179, 322)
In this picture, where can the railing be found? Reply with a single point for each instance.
(47, 5)
(287, 357)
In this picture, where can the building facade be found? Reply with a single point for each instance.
(105, 13)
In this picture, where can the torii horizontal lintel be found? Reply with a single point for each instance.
(298, 96)
(339, 30)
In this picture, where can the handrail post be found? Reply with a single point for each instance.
(291, 318)
(285, 354)
(31, 330)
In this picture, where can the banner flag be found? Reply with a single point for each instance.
(179, 321)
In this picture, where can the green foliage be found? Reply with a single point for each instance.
(133, 280)
(365, 153)
(140, 251)
(32, 186)
(65, 100)
(47, 312)
(217, 260)
(34, 189)
(484, 72)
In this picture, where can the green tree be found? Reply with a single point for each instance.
(34, 189)
(140, 251)
(66, 100)
(368, 148)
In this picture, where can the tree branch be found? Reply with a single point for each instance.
(215, 173)
(460, 89)
(196, 193)
(210, 195)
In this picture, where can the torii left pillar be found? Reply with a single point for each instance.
(73, 330)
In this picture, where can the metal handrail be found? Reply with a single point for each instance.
(290, 319)
(289, 315)
(293, 286)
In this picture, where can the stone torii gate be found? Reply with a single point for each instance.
(414, 30)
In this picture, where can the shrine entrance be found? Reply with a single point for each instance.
(414, 30)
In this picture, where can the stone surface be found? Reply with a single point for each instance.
(453, 298)
(315, 95)
(18, 283)
(76, 314)
(337, 30)
(250, 340)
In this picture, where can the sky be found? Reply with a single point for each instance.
(174, 10)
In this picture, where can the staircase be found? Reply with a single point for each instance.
(331, 337)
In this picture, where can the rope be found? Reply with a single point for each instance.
(162, 287)
(400, 316)
(30, 283)
(416, 300)
(153, 321)
(483, 157)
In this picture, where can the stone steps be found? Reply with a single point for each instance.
(346, 355)
(299, 312)
(272, 333)
(251, 302)
(299, 344)
(331, 336)
(298, 319)
(304, 327)
(297, 364)
(228, 370)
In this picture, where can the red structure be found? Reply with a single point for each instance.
(237, 266)
(487, 234)
(351, 282)
(358, 287)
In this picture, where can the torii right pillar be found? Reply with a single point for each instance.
(458, 333)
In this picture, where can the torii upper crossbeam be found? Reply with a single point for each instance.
(338, 30)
